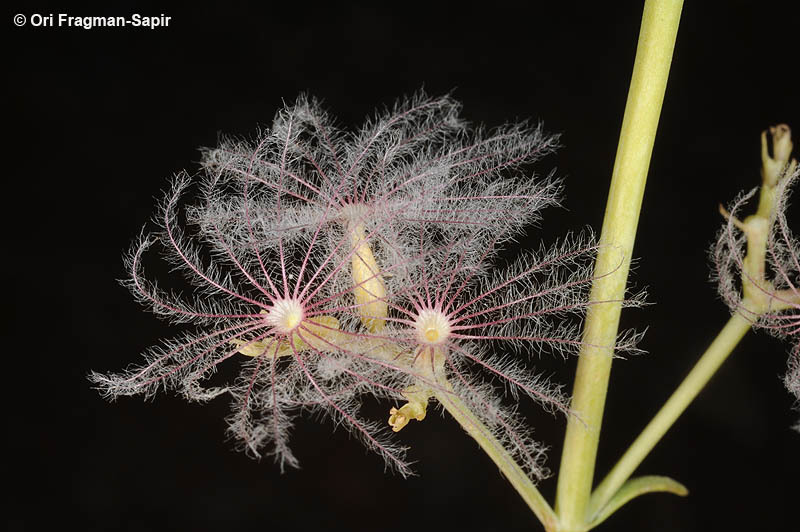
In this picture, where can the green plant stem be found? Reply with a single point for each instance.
(698, 377)
(510, 469)
(642, 110)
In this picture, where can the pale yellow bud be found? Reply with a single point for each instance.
(369, 290)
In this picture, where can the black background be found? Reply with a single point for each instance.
(100, 119)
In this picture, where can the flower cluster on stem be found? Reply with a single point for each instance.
(330, 266)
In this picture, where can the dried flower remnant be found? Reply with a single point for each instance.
(786, 323)
(757, 259)
(792, 377)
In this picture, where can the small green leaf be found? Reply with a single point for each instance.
(635, 487)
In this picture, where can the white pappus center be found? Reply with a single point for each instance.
(285, 315)
(354, 213)
(432, 327)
